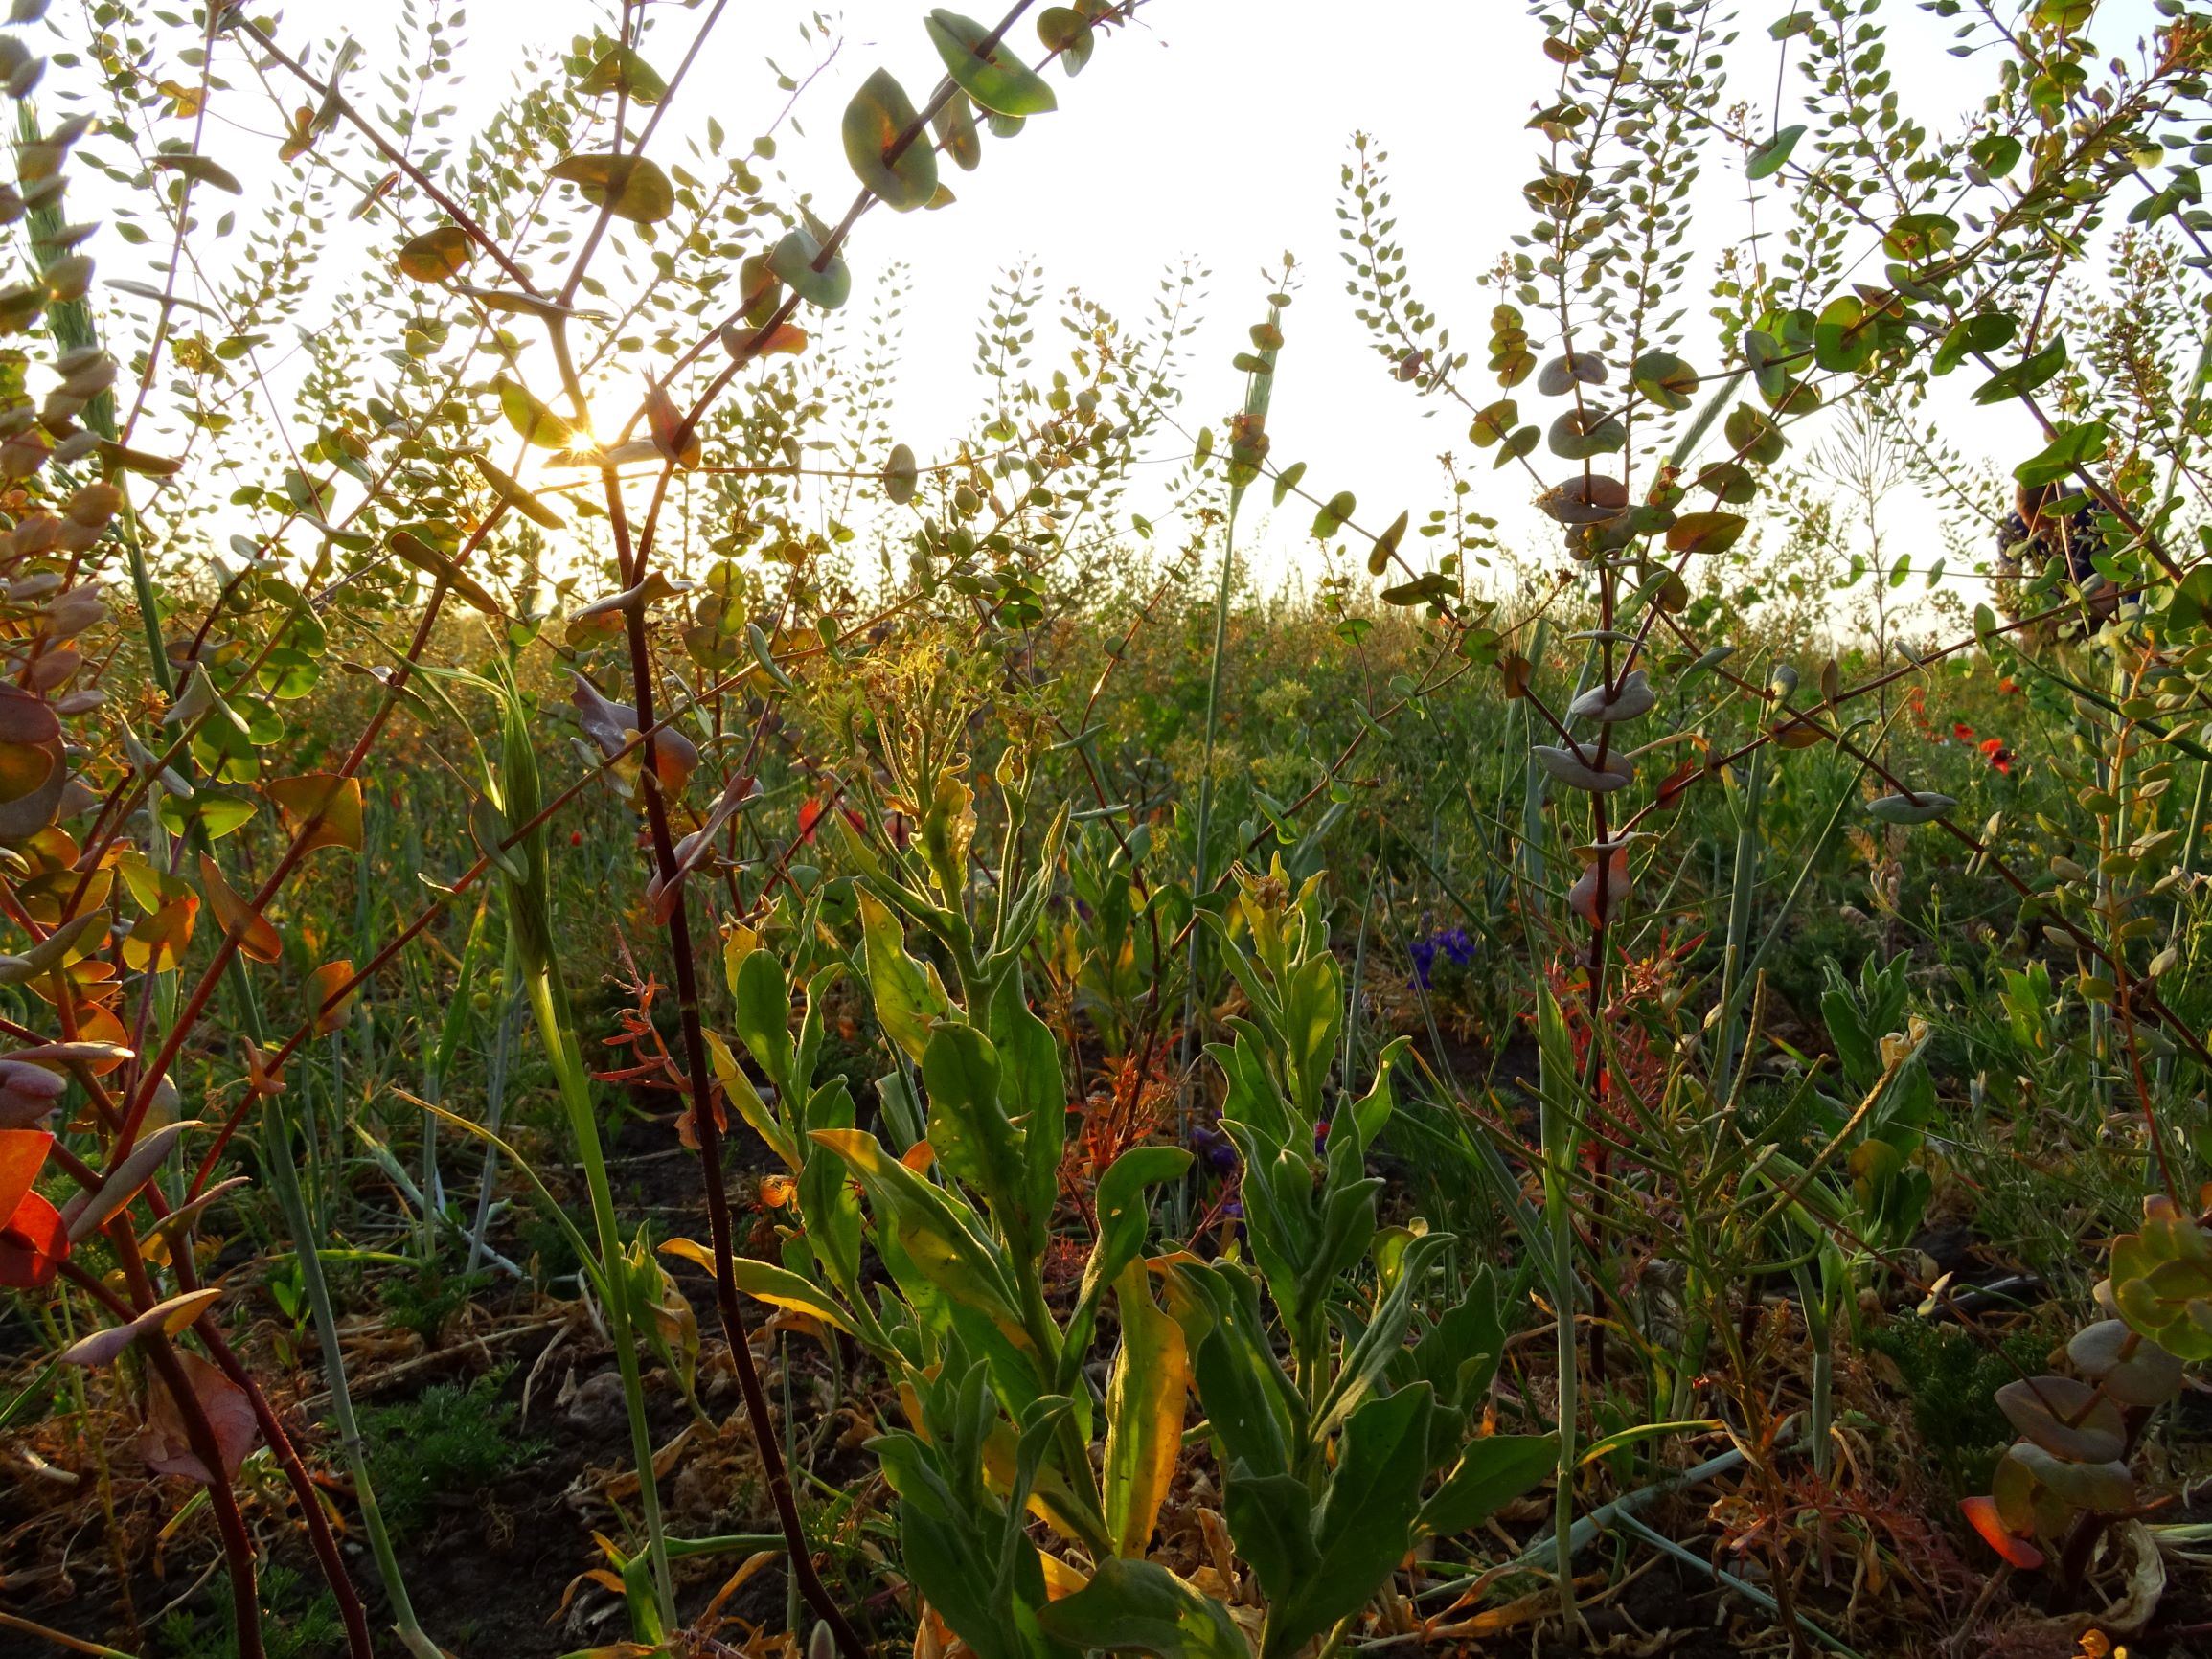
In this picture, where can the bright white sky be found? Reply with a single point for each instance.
(1213, 130)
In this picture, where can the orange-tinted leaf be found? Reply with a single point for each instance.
(666, 423)
(1673, 785)
(1981, 1514)
(333, 804)
(331, 1009)
(166, 1447)
(34, 1245)
(157, 942)
(254, 932)
(22, 1155)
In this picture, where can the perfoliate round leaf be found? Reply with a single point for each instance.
(1923, 807)
(899, 476)
(623, 70)
(1064, 29)
(1593, 499)
(434, 256)
(1705, 532)
(1664, 379)
(630, 187)
(1000, 82)
(955, 127)
(880, 115)
(1578, 433)
(793, 262)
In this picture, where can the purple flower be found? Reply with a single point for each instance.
(1453, 943)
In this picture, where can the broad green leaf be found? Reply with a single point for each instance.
(2074, 447)
(623, 70)
(1770, 155)
(1493, 1471)
(1363, 1525)
(2023, 376)
(1705, 532)
(792, 262)
(971, 1132)
(1141, 1608)
(763, 1016)
(1000, 81)
(908, 999)
(521, 499)
(879, 115)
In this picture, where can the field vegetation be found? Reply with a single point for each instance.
(639, 1021)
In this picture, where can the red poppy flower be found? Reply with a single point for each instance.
(2008, 683)
(2000, 757)
(1963, 733)
(32, 1239)
(809, 815)
(576, 838)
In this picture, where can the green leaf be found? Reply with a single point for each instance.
(1705, 532)
(908, 999)
(1664, 379)
(1363, 1525)
(2023, 376)
(531, 417)
(1141, 1608)
(1770, 155)
(899, 476)
(630, 187)
(793, 263)
(955, 127)
(2074, 447)
(766, 1281)
(879, 114)
(1980, 334)
(968, 1129)
(1492, 1472)
(1000, 82)
(1840, 344)
(201, 169)
(763, 1016)
(521, 499)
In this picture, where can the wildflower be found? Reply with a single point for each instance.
(1963, 733)
(1452, 943)
(1997, 755)
(809, 815)
(576, 838)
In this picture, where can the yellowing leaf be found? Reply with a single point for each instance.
(630, 187)
(765, 1281)
(323, 804)
(435, 256)
(1144, 1407)
(323, 985)
(255, 934)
